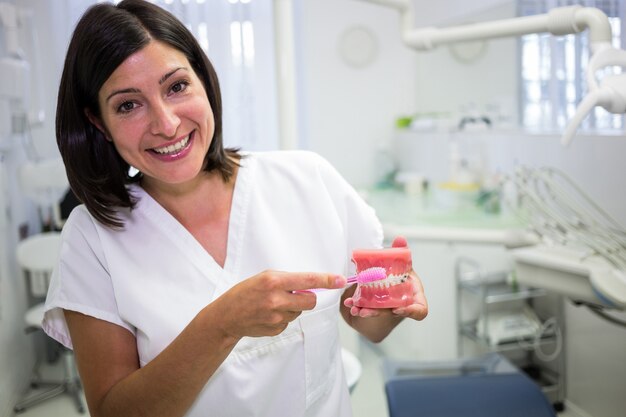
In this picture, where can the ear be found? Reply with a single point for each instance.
(97, 123)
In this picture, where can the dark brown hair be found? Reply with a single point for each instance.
(103, 38)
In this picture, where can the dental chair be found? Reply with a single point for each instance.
(37, 256)
(486, 387)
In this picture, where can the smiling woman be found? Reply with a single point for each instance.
(155, 110)
(189, 278)
(114, 104)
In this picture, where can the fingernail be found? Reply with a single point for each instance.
(340, 281)
(399, 311)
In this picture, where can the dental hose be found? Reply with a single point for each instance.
(549, 326)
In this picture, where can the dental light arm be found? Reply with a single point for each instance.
(610, 94)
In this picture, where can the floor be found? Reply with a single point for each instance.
(368, 396)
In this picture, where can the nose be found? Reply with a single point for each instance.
(164, 120)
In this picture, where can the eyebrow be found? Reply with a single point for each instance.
(136, 90)
(123, 91)
(169, 74)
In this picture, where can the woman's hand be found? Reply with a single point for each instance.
(265, 304)
(418, 310)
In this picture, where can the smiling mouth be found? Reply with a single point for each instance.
(174, 148)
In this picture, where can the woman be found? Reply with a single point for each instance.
(171, 286)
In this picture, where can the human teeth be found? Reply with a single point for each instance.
(173, 148)
(390, 281)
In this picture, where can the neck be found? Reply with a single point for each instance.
(207, 191)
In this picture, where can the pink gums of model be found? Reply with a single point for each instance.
(394, 291)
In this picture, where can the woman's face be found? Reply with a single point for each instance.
(155, 110)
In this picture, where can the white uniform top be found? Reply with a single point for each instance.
(291, 211)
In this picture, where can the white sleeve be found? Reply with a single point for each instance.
(81, 281)
(363, 228)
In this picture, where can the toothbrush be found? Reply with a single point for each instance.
(363, 277)
(368, 275)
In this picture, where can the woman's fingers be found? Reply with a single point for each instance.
(266, 303)
(414, 311)
(368, 312)
(298, 281)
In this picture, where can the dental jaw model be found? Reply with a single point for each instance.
(396, 290)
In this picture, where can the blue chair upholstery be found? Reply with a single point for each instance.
(486, 395)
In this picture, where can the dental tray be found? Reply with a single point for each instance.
(571, 273)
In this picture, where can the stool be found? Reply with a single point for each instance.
(37, 256)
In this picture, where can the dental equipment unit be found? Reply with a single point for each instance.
(609, 92)
(583, 249)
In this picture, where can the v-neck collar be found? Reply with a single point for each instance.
(196, 254)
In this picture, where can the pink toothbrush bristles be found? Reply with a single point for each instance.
(363, 277)
(371, 275)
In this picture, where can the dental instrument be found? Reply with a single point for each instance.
(579, 239)
(561, 212)
(610, 93)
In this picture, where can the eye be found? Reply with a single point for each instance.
(126, 107)
(179, 86)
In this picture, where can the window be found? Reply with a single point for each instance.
(238, 37)
(553, 70)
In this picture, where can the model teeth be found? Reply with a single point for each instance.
(173, 148)
(390, 281)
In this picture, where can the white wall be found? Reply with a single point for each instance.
(447, 85)
(447, 12)
(347, 112)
